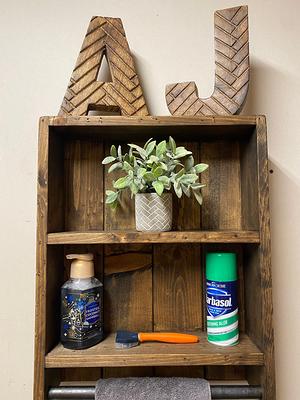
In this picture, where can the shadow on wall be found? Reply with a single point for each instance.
(263, 78)
(285, 216)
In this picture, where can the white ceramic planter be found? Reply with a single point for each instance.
(153, 212)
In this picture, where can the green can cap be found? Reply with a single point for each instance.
(221, 267)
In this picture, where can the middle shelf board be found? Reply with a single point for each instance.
(105, 354)
(117, 237)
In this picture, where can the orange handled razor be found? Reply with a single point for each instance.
(125, 339)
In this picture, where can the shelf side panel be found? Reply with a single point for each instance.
(259, 276)
(41, 262)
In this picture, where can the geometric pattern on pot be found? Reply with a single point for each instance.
(153, 212)
(232, 70)
(105, 37)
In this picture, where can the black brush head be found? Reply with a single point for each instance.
(126, 339)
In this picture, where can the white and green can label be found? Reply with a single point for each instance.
(222, 312)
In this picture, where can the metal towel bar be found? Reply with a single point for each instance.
(217, 391)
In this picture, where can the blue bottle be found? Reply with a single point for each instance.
(81, 305)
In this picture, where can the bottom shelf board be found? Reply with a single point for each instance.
(105, 354)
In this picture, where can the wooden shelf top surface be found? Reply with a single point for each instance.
(149, 120)
(111, 237)
(105, 354)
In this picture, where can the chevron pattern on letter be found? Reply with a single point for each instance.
(232, 71)
(104, 37)
(153, 212)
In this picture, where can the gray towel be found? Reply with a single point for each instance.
(152, 389)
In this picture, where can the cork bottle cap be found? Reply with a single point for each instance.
(82, 267)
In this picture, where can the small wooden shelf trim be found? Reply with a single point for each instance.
(156, 354)
(150, 120)
(102, 237)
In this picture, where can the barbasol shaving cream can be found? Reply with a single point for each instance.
(221, 299)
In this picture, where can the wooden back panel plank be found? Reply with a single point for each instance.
(249, 184)
(127, 276)
(222, 210)
(84, 211)
(177, 278)
(222, 196)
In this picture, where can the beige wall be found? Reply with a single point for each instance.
(172, 40)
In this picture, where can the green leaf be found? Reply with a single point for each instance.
(164, 179)
(140, 150)
(111, 198)
(119, 153)
(109, 192)
(158, 186)
(122, 183)
(127, 167)
(141, 172)
(117, 165)
(172, 145)
(186, 190)
(182, 152)
(150, 147)
(158, 171)
(161, 148)
(178, 189)
(198, 196)
(188, 178)
(134, 188)
(180, 173)
(108, 160)
(196, 186)
(149, 177)
(163, 166)
(200, 168)
(113, 151)
(189, 163)
(148, 141)
(152, 159)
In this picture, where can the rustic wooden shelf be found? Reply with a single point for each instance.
(102, 237)
(156, 354)
(154, 281)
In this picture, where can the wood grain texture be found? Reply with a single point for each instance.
(177, 277)
(263, 333)
(41, 263)
(177, 302)
(222, 196)
(152, 120)
(104, 37)
(222, 206)
(126, 237)
(232, 70)
(127, 278)
(156, 354)
(238, 218)
(83, 185)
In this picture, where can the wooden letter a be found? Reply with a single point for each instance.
(105, 37)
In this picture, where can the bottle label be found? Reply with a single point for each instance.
(222, 312)
(81, 314)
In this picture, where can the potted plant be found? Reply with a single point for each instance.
(151, 173)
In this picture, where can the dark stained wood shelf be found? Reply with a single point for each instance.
(156, 354)
(103, 237)
(154, 280)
